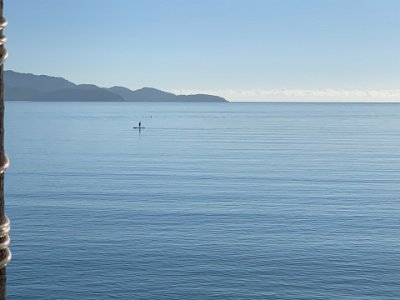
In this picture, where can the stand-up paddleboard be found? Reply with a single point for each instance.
(135, 127)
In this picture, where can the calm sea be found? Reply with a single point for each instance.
(209, 201)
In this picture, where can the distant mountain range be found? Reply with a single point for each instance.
(30, 87)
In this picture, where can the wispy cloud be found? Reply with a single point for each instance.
(308, 95)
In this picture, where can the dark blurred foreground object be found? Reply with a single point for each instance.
(5, 254)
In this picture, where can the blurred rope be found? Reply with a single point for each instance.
(5, 254)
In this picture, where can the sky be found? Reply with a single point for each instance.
(243, 50)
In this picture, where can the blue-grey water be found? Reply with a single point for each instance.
(209, 201)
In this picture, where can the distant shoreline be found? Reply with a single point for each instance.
(227, 102)
(44, 88)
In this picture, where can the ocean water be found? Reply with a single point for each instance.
(209, 201)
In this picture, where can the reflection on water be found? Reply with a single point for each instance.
(212, 201)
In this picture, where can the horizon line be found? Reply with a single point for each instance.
(277, 95)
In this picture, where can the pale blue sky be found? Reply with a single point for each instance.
(241, 49)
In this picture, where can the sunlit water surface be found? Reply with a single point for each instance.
(209, 201)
